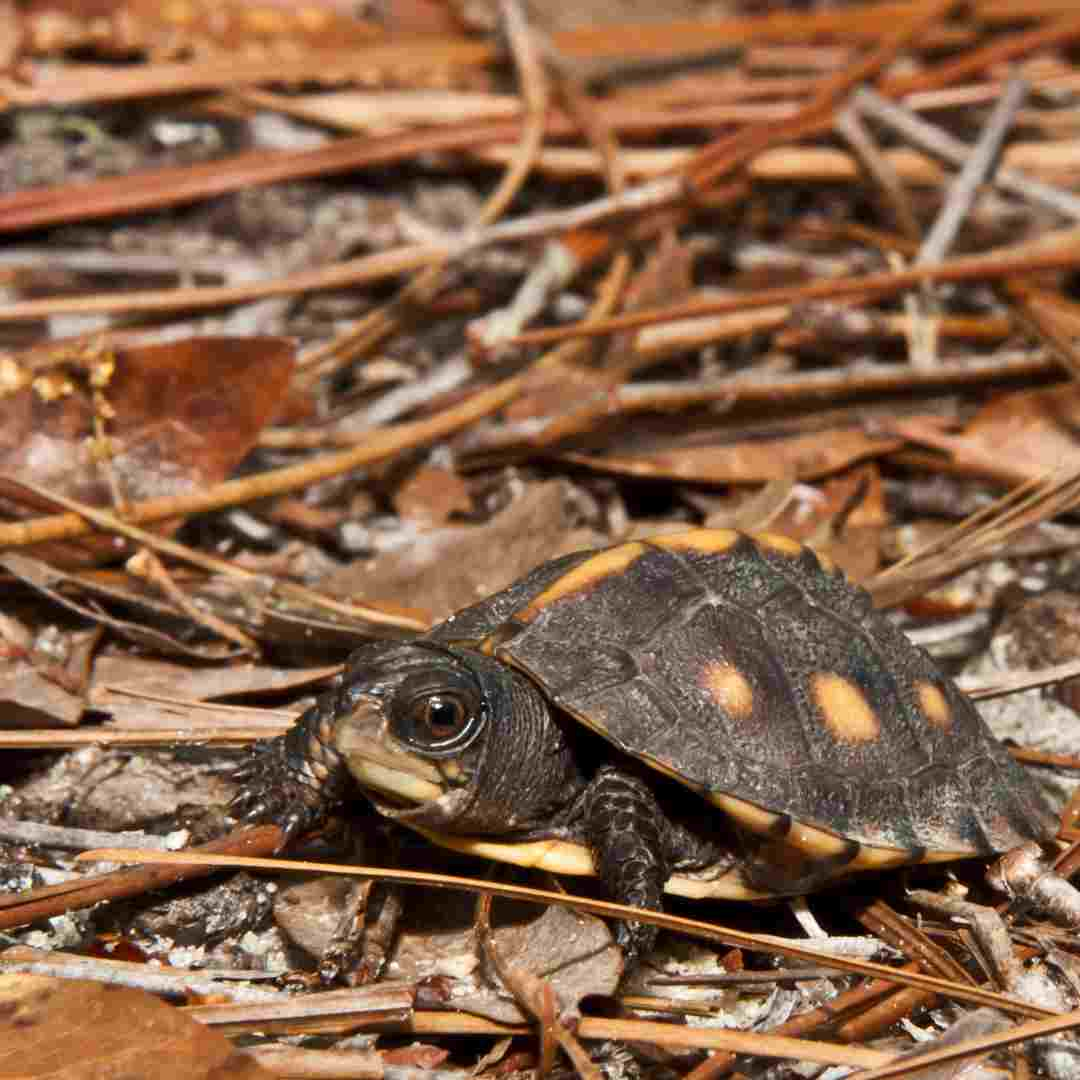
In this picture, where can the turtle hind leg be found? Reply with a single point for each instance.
(790, 863)
(627, 832)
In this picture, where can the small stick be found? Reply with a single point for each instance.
(973, 175)
(170, 982)
(936, 141)
(23, 908)
(849, 124)
(17, 831)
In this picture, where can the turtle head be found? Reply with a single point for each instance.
(450, 739)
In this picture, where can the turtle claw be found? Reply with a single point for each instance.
(275, 793)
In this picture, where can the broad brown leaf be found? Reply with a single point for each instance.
(64, 1029)
(138, 423)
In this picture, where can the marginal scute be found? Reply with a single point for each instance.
(753, 818)
(844, 709)
(604, 564)
(777, 544)
(885, 858)
(666, 770)
(703, 541)
(819, 844)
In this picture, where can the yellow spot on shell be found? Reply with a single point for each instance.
(934, 706)
(846, 713)
(713, 541)
(603, 565)
(729, 688)
(779, 545)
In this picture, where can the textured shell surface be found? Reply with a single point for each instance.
(753, 673)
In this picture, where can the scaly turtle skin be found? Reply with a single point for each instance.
(710, 712)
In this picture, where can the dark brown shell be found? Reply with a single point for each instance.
(753, 674)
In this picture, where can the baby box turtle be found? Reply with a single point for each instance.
(707, 713)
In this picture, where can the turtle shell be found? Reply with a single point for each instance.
(747, 668)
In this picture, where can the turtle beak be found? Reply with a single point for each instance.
(378, 762)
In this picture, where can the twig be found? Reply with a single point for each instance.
(1013, 682)
(386, 320)
(729, 153)
(109, 522)
(19, 909)
(937, 141)
(370, 1005)
(170, 982)
(281, 1059)
(52, 739)
(978, 535)
(146, 566)
(1033, 1029)
(858, 998)
(59, 836)
(816, 386)
(849, 124)
(992, 265)
(1059, 32)
(739, 1042)
(976, 169)
(1043, 757)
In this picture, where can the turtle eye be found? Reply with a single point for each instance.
(443, 717)
(439, 723)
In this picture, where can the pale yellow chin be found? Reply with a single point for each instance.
(390, 781)
(380, 765)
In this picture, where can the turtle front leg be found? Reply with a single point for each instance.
(626, 830)
(294, 781)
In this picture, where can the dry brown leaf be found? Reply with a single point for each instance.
(447, 569)
(550, 386)
(418, 1055)
(1016, 437)
(91, 598)
(803, 457)
(572, 951)
(43, 683)
(64, 1029)
(141, 693)
(431, 496)
(844, 523)
(138, 423)
(115, 675)
(30, 699)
